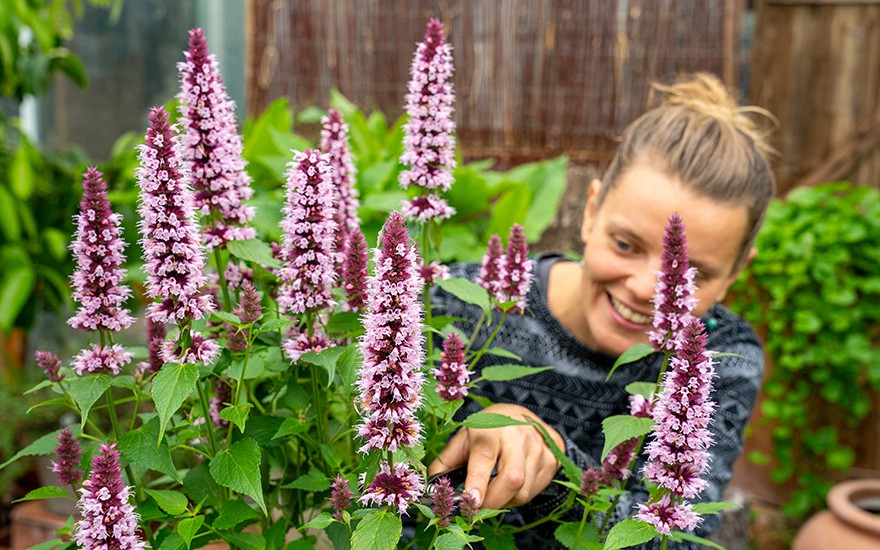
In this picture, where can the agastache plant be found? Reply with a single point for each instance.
(390, 381)
(453, 374)
(173, 259)
(211, 147)
(674, 294)
(354, 271)
(429, 141)
(516, 270)
(68, 452)
(334, 144)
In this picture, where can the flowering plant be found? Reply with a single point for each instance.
(288, 392)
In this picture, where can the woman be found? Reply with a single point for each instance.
(696, 154)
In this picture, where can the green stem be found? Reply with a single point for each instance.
(218, 259)
(477, 328)
(240, 380)
(485, 347)
(663, 542)
(203, 398)
(316, 391)
(552, 516)
(580, 530)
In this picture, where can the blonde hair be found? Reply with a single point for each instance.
(700, 135)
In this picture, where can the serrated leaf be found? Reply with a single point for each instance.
(304, 544)
(87, 390)
(320, 521)
(238, 468)
(713, 507)
(622, 427)
(504, 373)
(172, 502)
(497, 540)
(139, 447)
(632, 354)
(291, 426)
(380, 530)
(468, 292)
(313, 480)
(256, 367)
(679, 536)
(234, 512)
(576, 537)
(187, 528)
(49, 491)
(325, 358)
(246, 541)
(227, 317)
(448, 541)
(487, 420)
(629, 532)
(173, 542)
(237, 414)
(150, 511)
(344, 323)
(171, 386)
(645, 389)
(255, 251)
(200, 487)
(347, 367)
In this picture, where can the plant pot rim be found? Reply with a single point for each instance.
(841, 500)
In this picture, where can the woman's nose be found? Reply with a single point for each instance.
(643, 284)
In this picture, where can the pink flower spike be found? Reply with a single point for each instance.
(490, 270)
(101, 360)
(453, 374)
(354, 271)
(666, 515)
(68, 452)
(516, 270)
(429, 142)
(427, 207)
(334, 144)
(309, 235)
(98, 249)
(51, 365)
(200, 350)
(433, 272)
(173, 258)
(674, 294)
(211, 147)
(442, 502)
(391, 380)
(340, 496)
(109, 521)
(397, 486)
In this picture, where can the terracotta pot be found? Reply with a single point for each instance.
(852, 521)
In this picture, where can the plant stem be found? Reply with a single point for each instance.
(218, 259)
(203, 398)
(580, 530)
(240, 381)
(477, 328)
(489, 341)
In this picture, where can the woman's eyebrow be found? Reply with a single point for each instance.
(703, 269)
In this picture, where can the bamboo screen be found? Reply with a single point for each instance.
(533, 78)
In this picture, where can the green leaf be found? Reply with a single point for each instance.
(321, 521)
(21, 174)
(171, 386)
(380, 530)
(172, 502)
(573, 536)
(291, 426)
(256, 367)
(645, 389)
(313, 481)
(497, 540)
(48, 545)
(255, 251)
(629, 532)
(187, 528)
(246, 541)
(237, 414)
(139, 447)
(173, 542)
(679, 536)
(199, 486)
(713, 507)
(503, 373)
(15, 290)
(227, 317)
(232, 513)
(238, 468)
(467, 291)
(344, 324)
(510, 208)
(449, 541)
(49, 491)
(45, 445)
(632, 354)
(547, 186)
(87, 390)
(9, 222)
(325, 358)
(501, 352)
(621, 427)
(487, 420)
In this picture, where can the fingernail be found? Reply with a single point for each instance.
(476, 496)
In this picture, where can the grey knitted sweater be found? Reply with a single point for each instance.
(574, 397)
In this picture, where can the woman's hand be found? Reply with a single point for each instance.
(526, 466)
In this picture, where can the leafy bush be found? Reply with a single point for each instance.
(813, 292)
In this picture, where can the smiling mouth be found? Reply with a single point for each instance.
(628, 314)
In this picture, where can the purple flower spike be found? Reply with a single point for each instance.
(340, 496)
(590, 481)
(429, 142)
(51, 365)
(101, 360)
(309, 231)
(677, 455)
(398, 486)
(673, 297)
(334, 144)
(428, 207)
(490, 270)
(433, 272)
(468, 505)
(442, 502)
(615, 465)
(299, 343)
(98, 248)
(249, 309)
(666, 515)
(173, 258)
(200, 350)
(155, 341)
(390, 378)
(453, 374)
(68, 452)
(354, 271)
(211, 147)
(108, 521)
(516, 270)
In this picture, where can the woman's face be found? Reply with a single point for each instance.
(623, 247)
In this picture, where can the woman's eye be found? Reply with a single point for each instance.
(622, 246)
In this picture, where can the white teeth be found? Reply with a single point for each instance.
(629, 314)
